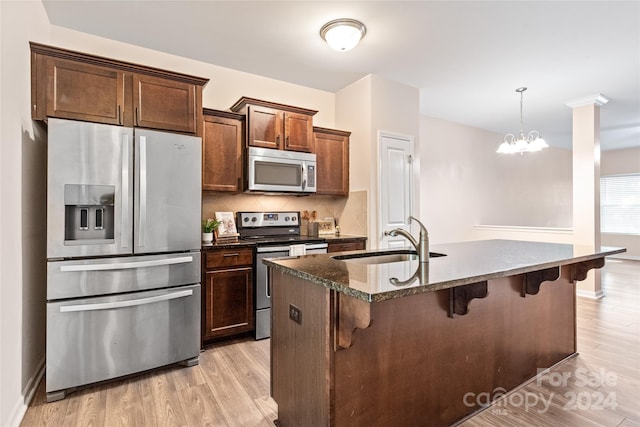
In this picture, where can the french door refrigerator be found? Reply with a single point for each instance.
(123, 252)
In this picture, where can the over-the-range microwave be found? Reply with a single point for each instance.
(270, 170)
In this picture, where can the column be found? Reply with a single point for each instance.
(586, 183)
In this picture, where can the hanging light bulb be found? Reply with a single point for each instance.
(522, 144)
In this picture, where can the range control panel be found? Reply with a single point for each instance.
(268, 219)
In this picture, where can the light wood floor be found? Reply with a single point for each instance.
(230, 386)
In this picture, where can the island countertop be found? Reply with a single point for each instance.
(464, 263)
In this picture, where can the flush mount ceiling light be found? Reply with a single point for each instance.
(521, 143)
(343, 34)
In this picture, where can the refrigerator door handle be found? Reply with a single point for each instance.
(126, 265)
(125, 230)
(126, 303)
(142, 224)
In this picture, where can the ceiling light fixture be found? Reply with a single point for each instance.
(522, 143)
(343, 34)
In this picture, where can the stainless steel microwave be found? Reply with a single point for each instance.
(278, 171)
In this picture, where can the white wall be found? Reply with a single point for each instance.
(618, 162)
(366, 107)
(464, 182)
(22, 168)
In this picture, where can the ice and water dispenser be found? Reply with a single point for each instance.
(89, 213)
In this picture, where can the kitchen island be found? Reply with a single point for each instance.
(381, 339)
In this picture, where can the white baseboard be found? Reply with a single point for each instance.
(29, 392)
(589, 294)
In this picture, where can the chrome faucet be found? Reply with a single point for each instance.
(421, 245)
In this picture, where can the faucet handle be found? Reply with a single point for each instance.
(423, 229)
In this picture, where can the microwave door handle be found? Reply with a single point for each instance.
(304, 178)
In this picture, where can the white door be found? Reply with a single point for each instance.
(396, 158)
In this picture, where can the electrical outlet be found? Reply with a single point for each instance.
(295, 314)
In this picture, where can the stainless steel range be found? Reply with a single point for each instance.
(277, 234)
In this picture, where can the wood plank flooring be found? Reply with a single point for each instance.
(230, 386)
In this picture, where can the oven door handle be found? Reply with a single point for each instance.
(126, 303)
(127, 265)
(269, 249)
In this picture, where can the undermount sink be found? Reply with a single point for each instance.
(383, 257)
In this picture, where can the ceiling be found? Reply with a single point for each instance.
(466, 57)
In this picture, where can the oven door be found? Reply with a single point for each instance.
(263, 287)
(263, 291)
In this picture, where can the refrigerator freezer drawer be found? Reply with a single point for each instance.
(104, 276)
(96, 339)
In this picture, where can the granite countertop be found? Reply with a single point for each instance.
(464, 263)
(239, 243)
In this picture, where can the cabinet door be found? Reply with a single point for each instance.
(222, 154)
(228, 302)
(164, 104)
(332, 157)
(84, 92)
(265, 127)
(298, 131)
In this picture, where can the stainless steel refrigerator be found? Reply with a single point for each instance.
(123, 252)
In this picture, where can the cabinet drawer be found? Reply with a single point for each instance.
(229, 258)
(343, 247)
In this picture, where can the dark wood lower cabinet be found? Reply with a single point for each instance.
(344, 245)
(228, 307)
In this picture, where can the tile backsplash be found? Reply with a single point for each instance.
(350, 213)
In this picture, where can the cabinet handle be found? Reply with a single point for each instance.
(286, 143)
(230, 255)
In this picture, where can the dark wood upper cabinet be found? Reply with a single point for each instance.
(222, 145)
(83, 91)
(79, 86)
(277, 126)
(298, 132)
(332, 161)
(164, 104)
(265, 128)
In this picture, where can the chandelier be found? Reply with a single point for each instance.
(521, 143)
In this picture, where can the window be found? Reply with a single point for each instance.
(620, 204)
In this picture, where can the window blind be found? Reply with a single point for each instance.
(620, 204)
